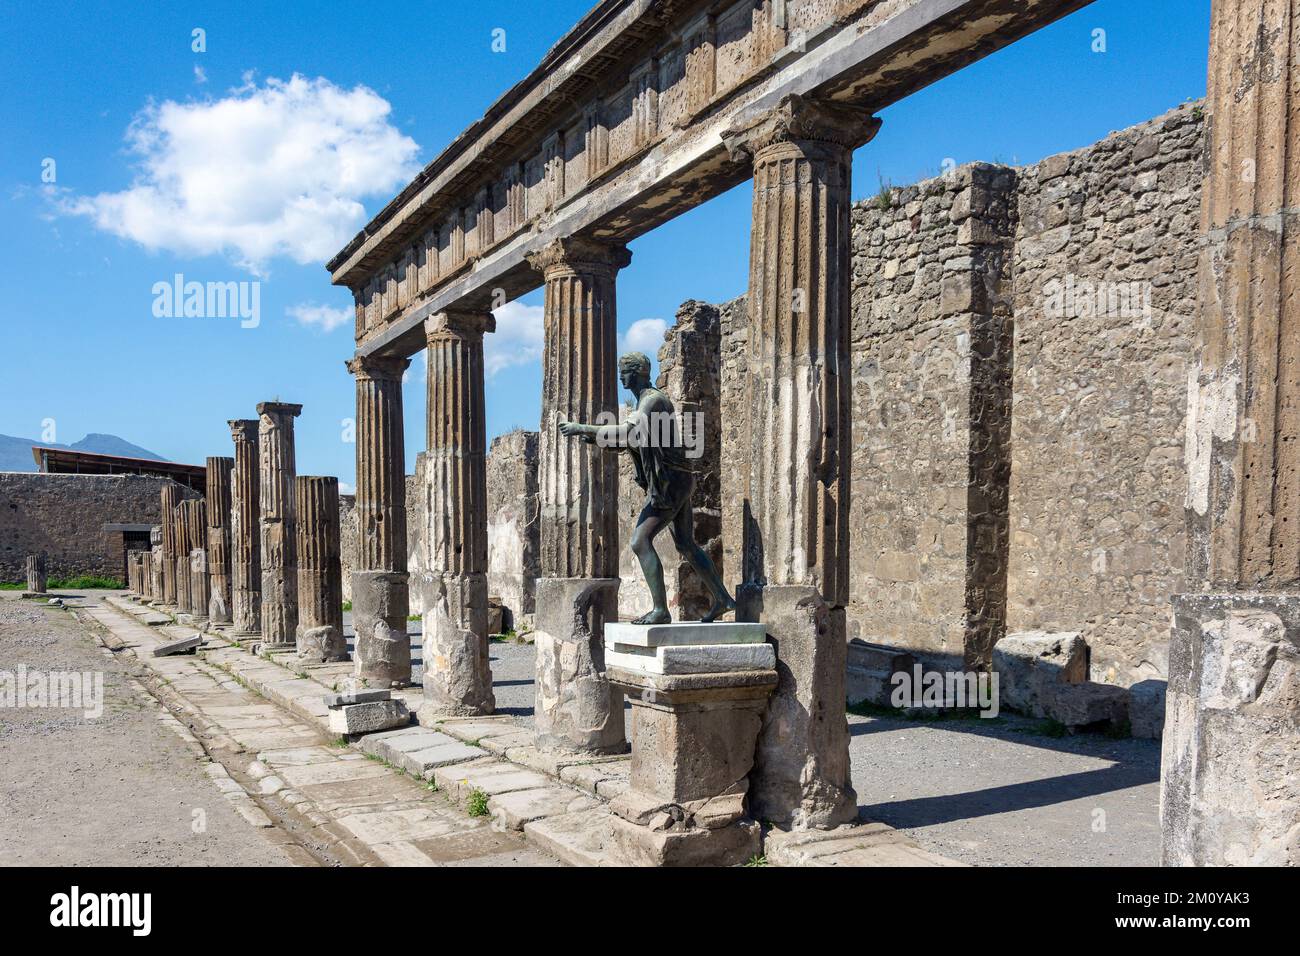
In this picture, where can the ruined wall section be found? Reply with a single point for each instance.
(513, 529)
(1105, 299)
(931, 384)
(64, 517)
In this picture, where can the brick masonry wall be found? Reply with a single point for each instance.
(1068, 518)
(1098, 476)
(64, 517)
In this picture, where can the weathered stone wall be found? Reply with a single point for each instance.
(64, 517)
(689, 372)
(1090, 537)
(514, 544)
(931, 353)
(733, 325)
(1098, 477)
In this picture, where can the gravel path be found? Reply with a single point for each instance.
(119, 789)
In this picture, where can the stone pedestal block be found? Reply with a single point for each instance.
(694, 749)
(457, 673)
(802, 775)
(576, 707)
(368, 717)
(1230, 776)
(380, 603)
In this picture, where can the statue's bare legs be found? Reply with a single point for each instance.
(683, 532)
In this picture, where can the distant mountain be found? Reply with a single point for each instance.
(112, 445)
(16, 453)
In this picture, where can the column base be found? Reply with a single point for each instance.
(457, 672)
(380, 603)
(1229, 780)
(576, 707)
(801, 775)
(219, 610)
(321, 645)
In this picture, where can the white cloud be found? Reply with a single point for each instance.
(325, 317)
(644, 335)
(268, 171)
(518, 339)
(200, 74)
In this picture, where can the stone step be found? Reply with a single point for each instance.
(582, 838)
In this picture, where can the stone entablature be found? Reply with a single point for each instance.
(619, 130)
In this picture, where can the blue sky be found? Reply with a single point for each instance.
(219, 166)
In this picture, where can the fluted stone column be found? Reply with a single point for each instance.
(578, 486)
(320, 571)
(181, 558)
(156, 564)
(796, 550)
(457, 675)
(196, 517)
(35, 566)
(277, 459)
(218, 539)
(380, 598)
(245, 533)
(1230, 780)
(169, 498)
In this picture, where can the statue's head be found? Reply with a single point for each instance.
(633, 369)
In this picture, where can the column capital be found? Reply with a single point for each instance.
(279, 408)
(459, 323)
(799, 119)
(577, 254)
(378, 368)
(243, 429)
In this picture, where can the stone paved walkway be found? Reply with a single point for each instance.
(556, 800)
(337, 805)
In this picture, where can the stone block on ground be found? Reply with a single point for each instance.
(1088, 705)
(368, 717)
(1146, 709)
(871, 668)
(357, 697)
(1031, 664)
(186, 645)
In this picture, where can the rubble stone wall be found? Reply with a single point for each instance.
(64, 516)
(1105, 298)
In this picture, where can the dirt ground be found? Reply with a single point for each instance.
(120, 789)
